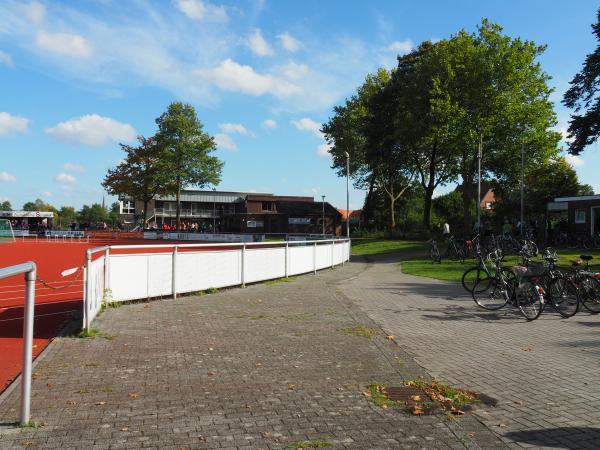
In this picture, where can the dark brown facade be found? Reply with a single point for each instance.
(582, 213)
(208, 211)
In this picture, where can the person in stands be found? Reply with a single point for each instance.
(446, 230)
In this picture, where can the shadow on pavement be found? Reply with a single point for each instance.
(562, 437)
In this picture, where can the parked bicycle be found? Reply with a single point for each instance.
(588, 284)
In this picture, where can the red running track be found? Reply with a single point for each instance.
(56, 300)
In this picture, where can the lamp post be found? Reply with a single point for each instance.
(347, 194)
(479, 152)
(522, 183)
(323, 218)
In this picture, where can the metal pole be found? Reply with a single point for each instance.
(347, 195)
(214, 216)
(174, 272)
(30, 278)
(243, 274)
(522, 182)
(323, 219)
(479, 151)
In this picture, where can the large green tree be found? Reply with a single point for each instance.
(5, 206)
(583, 98)
(494, 92)
(186, 149)
(139, 175)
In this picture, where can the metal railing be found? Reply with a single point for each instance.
(30, 270)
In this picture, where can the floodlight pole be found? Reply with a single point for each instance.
(522, 182)
(479, 152)
(347, 195)
(323, 220)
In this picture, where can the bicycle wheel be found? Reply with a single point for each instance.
(589, 292)
(563, 296)
(471, 277)
(435, 255)
(529, 300)
(491, 294)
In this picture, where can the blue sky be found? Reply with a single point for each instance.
(78, 77)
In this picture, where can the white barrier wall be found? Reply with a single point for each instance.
(168, 270)
(95, 278)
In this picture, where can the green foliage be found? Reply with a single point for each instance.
(92, 215)
(5, 206)
(449, 208)
(310, 444)
(139, 175)
(360, 330)
(66, 215)
(91, 333)
(583, 98)
(185, 158)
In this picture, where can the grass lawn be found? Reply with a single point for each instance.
(453, 270)
(371, 247)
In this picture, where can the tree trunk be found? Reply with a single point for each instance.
(427, 205)
(392, 211)
(145, 214)
(178, 210)
(368, 207)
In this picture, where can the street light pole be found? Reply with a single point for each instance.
(522, 182)
(479, 151)
(323, 219)
(347, 195)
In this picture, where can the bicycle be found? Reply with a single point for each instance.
(560, 290)
(434, 252)
(521, 289)
(587, 283)
(453, 251)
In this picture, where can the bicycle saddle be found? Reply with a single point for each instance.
(586, 257)
(576, 263)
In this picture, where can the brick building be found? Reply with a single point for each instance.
(581, 212)
(238, 212)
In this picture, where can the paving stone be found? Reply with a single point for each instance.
(260, 367)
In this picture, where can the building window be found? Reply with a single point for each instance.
(488, 205)
(579, 216)
(255, 223)
(127, 207)
(267, 206)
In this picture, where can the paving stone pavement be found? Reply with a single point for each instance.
(543, 373)
(262, 367)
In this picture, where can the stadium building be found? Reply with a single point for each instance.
(237, 212)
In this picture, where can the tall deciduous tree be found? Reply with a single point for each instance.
(5, 206)
(186, 152)
(139, 175)
(495, 92)
(583, 97)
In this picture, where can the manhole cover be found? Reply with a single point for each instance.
(406, 394)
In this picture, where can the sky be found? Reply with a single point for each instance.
(79, 77)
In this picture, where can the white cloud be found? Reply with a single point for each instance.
(47, 194)
(73, 167)
(574, 160)
(294, 71)
(65, 179)
(323, 150)
(6, 59)
(565, 135)
(7, 177)
(288, 42)
(269, 123)
(235, 128)
(92, 130)
(258, 45)
(12, 124)
(200, 10)
(64, 44)
(34, 12)
(225, 142)
(233, 77)
(401, 47)
(307, 124)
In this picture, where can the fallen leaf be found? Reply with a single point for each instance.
(456, 411)
(124, 429)
(291, 387)
(133, 395)
(390, 338)
(502, 425)
(417, 410)
(100, 403)
(415, 398)
(71, 402)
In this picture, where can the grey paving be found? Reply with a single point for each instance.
(543, 373)
(262, 367)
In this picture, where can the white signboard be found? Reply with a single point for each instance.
(299, 220)
(23, 214)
